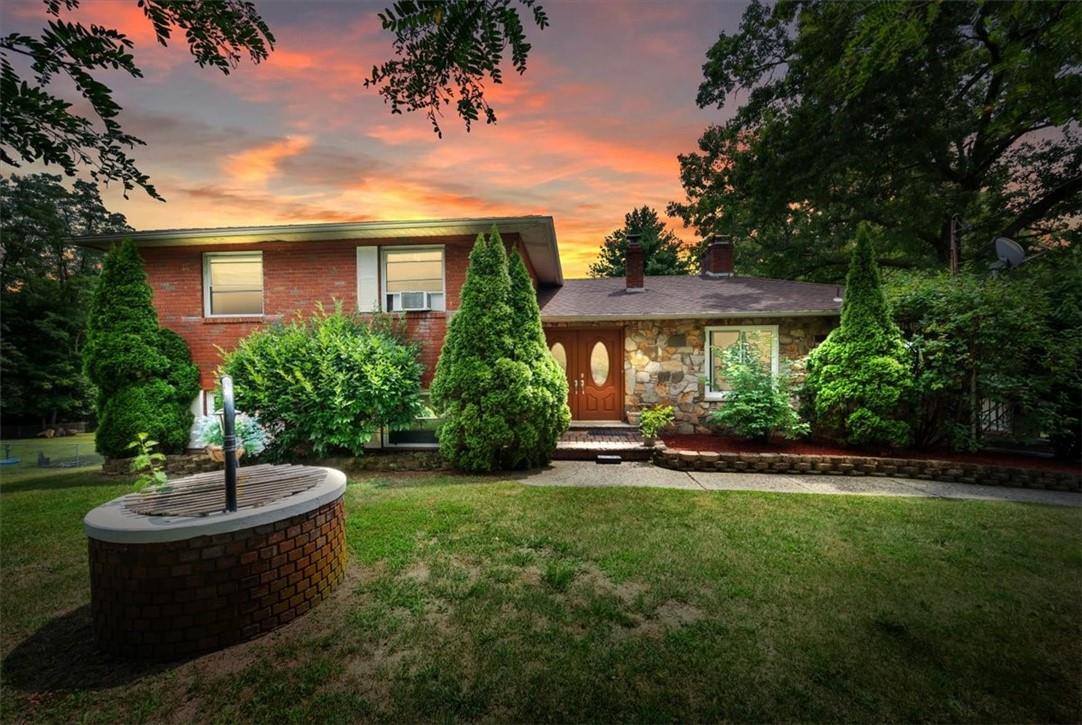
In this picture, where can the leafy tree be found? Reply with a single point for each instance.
(757, 405)
(327, 383)
(144, 376)
(37, 124)
(897, 113)
(663, 252)
(444, 51)
(45, 285)
(858, 380)
(545, 414)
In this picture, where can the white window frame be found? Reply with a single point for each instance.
(775, 360)
(207, 256)
(391, 248)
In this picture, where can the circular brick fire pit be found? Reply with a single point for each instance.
(172, 573)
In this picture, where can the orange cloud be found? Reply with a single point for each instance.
(257, 165)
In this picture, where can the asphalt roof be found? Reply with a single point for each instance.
(685, 296)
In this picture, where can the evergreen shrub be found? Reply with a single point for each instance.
(501, 396)
(144, 374)
(858, 380)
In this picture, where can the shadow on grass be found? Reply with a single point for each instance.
(63, 655)
(55, 480)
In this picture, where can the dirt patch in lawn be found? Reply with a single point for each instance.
(724, 444)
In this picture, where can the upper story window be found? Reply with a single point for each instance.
(413, 278)
(758, 340)
(232, 284)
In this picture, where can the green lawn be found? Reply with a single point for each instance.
(472, 599)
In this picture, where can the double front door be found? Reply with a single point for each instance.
(592, 360)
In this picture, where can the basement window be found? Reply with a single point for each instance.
(758, 340)
(233, 284)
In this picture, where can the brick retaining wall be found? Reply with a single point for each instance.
(168, 600)
(949, 471)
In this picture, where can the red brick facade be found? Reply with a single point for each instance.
(296, 276)
(168, 600)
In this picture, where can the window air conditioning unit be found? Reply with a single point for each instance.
(414, 301)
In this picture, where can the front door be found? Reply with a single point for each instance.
(592, 360)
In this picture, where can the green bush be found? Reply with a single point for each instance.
(858, 380)
(145, 407)
(544, 415)
(757, 405)
(1014, 338)
(182, 373)
(327, 383)
(144, 374)
(122, 326)
(503, 404)
(654, 420)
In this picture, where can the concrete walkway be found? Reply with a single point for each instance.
(646, 475)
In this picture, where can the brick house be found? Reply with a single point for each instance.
(625, 343)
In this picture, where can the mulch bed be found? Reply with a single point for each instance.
(722, 444)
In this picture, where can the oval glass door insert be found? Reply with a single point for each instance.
(560, 354)
(599, 363)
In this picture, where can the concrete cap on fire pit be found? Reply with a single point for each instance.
(121, 520)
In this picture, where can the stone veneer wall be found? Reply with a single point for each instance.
(167, 600)
(665, 360)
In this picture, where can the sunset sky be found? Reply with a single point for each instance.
(590, 131)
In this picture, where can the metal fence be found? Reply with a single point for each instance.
(67, 452)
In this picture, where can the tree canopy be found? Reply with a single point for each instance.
(663, 251)
(45, 285)
(443, 51)
(898, 113)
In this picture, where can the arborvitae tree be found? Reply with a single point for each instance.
(547, 415)
(479, 387)
(144, 375)
(859, 379)
(122, 328)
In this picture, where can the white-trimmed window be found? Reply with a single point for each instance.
(759, 340)
(233, 284)
(412, 278)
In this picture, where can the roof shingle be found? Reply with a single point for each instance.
(683, 296)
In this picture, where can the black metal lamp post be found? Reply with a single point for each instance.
(229, 443)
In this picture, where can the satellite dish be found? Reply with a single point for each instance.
(1010, 253)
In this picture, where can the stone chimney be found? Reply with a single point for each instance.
(717, 260)
(634, 264)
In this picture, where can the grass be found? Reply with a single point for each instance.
(476, 599)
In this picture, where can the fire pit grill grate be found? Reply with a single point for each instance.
(204, 493)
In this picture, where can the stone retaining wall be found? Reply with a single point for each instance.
(950, 471)
(167, 600)
(179, 464)
(185, 464)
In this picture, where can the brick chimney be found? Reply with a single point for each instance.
(717, 260)
(634, 264)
